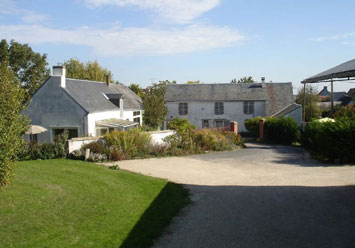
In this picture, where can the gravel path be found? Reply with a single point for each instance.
(262, 196)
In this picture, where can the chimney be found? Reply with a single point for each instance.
(263, 79)
(108, 80)
(59, 70)
(121, 107)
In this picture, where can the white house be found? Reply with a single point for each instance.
(84, 108)
(216, 105)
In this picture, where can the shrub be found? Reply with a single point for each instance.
(60, 145)
(96, 147)
(182, 126)
(130, 143)
(345, 112)
(333, 141)
(253, 126)
(281, 130)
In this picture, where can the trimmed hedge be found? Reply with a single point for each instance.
(332, 141)
(253, 126)
(281, 130)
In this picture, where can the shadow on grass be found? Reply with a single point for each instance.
(158, 215)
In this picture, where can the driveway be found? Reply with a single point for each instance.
(261, 196)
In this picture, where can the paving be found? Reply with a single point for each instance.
(261, 196)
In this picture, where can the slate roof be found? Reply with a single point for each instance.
(337, 95)
(90, 95)
(276, 95)
(287, 109)
(343, 70)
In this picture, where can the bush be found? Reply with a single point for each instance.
(333, 141)
(253, 126)
(346, 112)
(96, 147)
(281, 130)
(130, 143)
(182, 126)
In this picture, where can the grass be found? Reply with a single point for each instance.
(66, 203)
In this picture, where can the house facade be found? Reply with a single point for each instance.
(216, 105)
(84, 108)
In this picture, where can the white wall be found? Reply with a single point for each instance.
(158, 136)
(198, 111)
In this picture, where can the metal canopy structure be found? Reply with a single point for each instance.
(342, 72)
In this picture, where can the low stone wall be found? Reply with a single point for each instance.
(157, 139)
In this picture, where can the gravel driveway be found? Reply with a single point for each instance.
(261, 196)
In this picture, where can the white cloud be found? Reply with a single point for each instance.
(130, 41)
(8, 7)
(178, 11)
(335, 37)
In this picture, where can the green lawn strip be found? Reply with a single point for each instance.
(66, 203)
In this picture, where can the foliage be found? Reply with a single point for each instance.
(12, 124)
(96, 147)
(311, 110)
(281, 130)
(87, 71)
(253, 126)
(128, 144)
(136, 89)
(154, 105)
(181, 125)
(346, 112)
(29, 67)
(243, 80)
(60, 145)
(50, 201)
(333, 141)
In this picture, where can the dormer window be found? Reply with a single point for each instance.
(114, 98)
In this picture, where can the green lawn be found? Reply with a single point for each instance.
(66, 203)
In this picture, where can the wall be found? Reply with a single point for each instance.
(52, 107)
(297, 115)
(198, 111)
(158, 136)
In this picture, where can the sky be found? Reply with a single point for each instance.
(214, 41)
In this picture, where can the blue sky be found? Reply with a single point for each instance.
(214, 41)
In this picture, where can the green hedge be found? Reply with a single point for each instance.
(253, 126)
(281, 130)
(332, 141)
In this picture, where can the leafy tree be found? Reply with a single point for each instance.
(234, 81)
(154, 104)
(246, 80)
(311, 108)
(136, 89)
(87, 71)
(193, 82)
(29, 67)
(12, 124)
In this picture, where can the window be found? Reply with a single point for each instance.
(219, 123)
(219, 108)
(101, 131)
(183, 109)
(205, 123)
(72, 132)
(248, 107)
(137, 120)
(135, 113)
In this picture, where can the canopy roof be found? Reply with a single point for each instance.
(116, 123)
(344, 70)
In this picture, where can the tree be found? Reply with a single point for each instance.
(154, 104)
(193, 82)
(136, 89)
(29, 67)
(245, 80)
(311, 108)
(12, 124)
(87, 71)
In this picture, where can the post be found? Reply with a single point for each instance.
(310, 104)
(87, 153)
(261, 129)
(234, 127)
(332, 96)
(304, 103)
